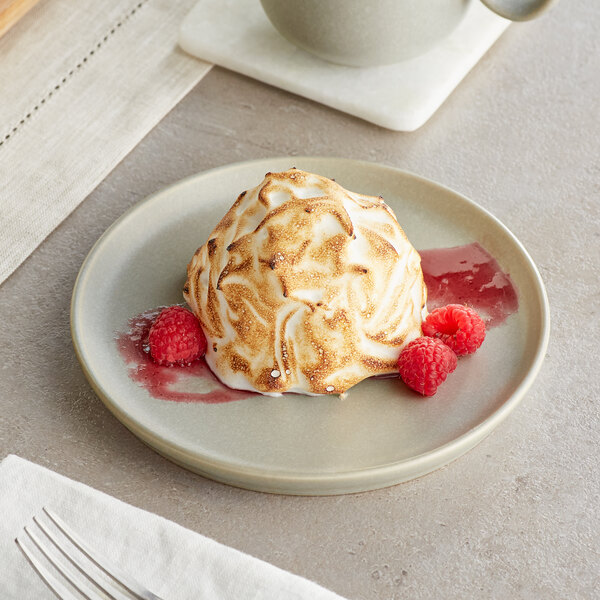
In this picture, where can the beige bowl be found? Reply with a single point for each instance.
(376, 32)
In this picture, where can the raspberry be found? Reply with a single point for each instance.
(176, 337)
(425, 363)
(458, 326)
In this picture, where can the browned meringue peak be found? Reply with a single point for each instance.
(305, 287)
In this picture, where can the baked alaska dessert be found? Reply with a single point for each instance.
(305, 287)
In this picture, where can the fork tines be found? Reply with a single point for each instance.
(68, 565)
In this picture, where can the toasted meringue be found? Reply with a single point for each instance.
(305, 287)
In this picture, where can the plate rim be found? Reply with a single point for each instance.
(341, 482)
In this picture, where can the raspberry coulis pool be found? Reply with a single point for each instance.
(161, 382)
(460, 275)
(469, 275)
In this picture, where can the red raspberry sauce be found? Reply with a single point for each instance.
(469, 275)
(461, 275)
(159, 381)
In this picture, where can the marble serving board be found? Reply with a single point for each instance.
(237, 35)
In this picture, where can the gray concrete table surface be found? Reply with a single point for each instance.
(518, 516)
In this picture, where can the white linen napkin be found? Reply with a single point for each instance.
(173, 562)
(81, 83)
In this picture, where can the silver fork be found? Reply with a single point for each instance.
(52, 548)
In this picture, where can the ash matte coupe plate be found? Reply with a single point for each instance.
(381, 434)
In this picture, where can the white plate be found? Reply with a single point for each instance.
(382, 433)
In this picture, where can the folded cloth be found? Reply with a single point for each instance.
(81, 83)
(171, 561)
